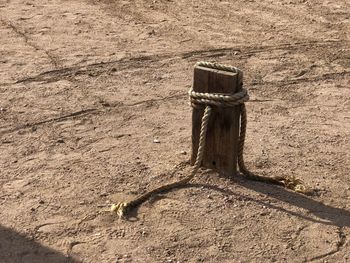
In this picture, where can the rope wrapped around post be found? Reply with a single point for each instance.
(210, 100)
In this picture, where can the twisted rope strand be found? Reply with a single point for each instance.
(219, 100)
(217, 66)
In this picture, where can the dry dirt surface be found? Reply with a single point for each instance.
(86, 87)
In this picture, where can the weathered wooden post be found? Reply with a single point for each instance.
(219, 122)
(223, 127)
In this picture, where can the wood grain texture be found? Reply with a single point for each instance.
(223, 128)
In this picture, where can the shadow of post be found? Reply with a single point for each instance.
(325, 214)
(16, 248)
(320, 213)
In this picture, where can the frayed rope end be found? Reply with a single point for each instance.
(297, 185)
(120, 209)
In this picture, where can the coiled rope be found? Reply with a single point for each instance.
(210, 100)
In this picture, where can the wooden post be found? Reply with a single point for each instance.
(223, 128)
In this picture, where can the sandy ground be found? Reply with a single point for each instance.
(85, 88)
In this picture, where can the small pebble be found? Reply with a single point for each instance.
(183, 152)
(156, 141)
